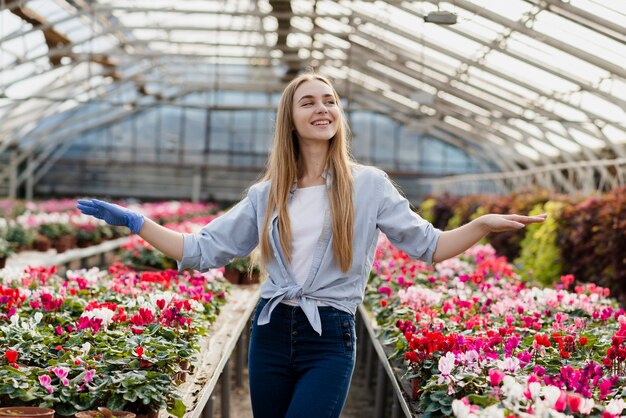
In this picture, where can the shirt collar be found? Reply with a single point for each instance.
(327, 175)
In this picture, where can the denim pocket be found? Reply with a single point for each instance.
(257, 312)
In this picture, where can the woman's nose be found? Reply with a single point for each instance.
(321, 108)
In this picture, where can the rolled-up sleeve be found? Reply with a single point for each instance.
(403, 227)
(234, 234)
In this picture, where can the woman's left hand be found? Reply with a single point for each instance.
(501, 223)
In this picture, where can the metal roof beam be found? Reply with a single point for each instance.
(541, 37)
(442, 86)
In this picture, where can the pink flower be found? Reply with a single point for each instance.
(45, 382)
(495, 376)
(561, 402)
(88, 378)
(61, 373)
(385, 289)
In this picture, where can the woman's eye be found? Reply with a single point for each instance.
(330, 102)
(307, 104)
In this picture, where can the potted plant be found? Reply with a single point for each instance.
(87, 235)
(26, 412)
(66, 238)
(20, 237)
(242, 271)
(105, 413)
(59, 235)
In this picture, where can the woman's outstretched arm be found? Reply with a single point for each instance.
(167, 241)
(163, 239)
(454, 242)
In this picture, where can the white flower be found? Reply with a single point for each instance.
(446, 364)
(512, 389)
(494, 412)
(166, 296)
(196, 306)
(534, 388)
(105, 314)
(509, 364)
(615, 406)
(460, 410)
(551, 394)
(85, 348)
(38, 317)
(586, 405)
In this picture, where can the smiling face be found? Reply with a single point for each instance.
(315, 111)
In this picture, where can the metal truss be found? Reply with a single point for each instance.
(499, 117)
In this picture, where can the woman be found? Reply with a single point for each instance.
(316, 217)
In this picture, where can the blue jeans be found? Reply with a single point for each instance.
(295, 372)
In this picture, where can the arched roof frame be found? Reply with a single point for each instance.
(582, 116)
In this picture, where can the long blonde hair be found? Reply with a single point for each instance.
(283, 168)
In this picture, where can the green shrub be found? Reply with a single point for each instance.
(540, 258)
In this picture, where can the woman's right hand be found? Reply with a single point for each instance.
(112, 214)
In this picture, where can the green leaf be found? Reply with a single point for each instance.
(432, 407)
(131, 395)
(481, 400)
(178, 409)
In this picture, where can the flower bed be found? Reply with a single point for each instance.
(59, 224)
(118, 338)
(476, 341)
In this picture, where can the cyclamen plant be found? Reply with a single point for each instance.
(112, 338)
(476, 341)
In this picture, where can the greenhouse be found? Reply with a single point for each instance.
(312, 208)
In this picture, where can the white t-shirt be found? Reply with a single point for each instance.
(306, 215)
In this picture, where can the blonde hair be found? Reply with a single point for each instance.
(283, 168)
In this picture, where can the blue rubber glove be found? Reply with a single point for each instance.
(112, 214)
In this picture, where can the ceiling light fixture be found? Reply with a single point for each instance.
(441, 17)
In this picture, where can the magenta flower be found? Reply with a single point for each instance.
(61, 373)
(495, 376)
(386, 290)
(45, 380)
(88, 378)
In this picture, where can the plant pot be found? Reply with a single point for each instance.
(83, 243)
(99, 414)
(60, 246)
(232, 275)
(246, 278)
(3, 262)
(41, 244)
(26, 412)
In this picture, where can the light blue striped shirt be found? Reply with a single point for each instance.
(378, 206)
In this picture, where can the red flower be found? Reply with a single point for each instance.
(139, 351)
(583, 340)
(383, 303)
(11, 356)
(573, 402)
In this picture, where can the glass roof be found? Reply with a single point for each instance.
(545, 78)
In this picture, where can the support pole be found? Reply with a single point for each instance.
(241, 348)
(30, 179)
(225, 406)
(381, 386)
(13, 164)
(209, 408)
